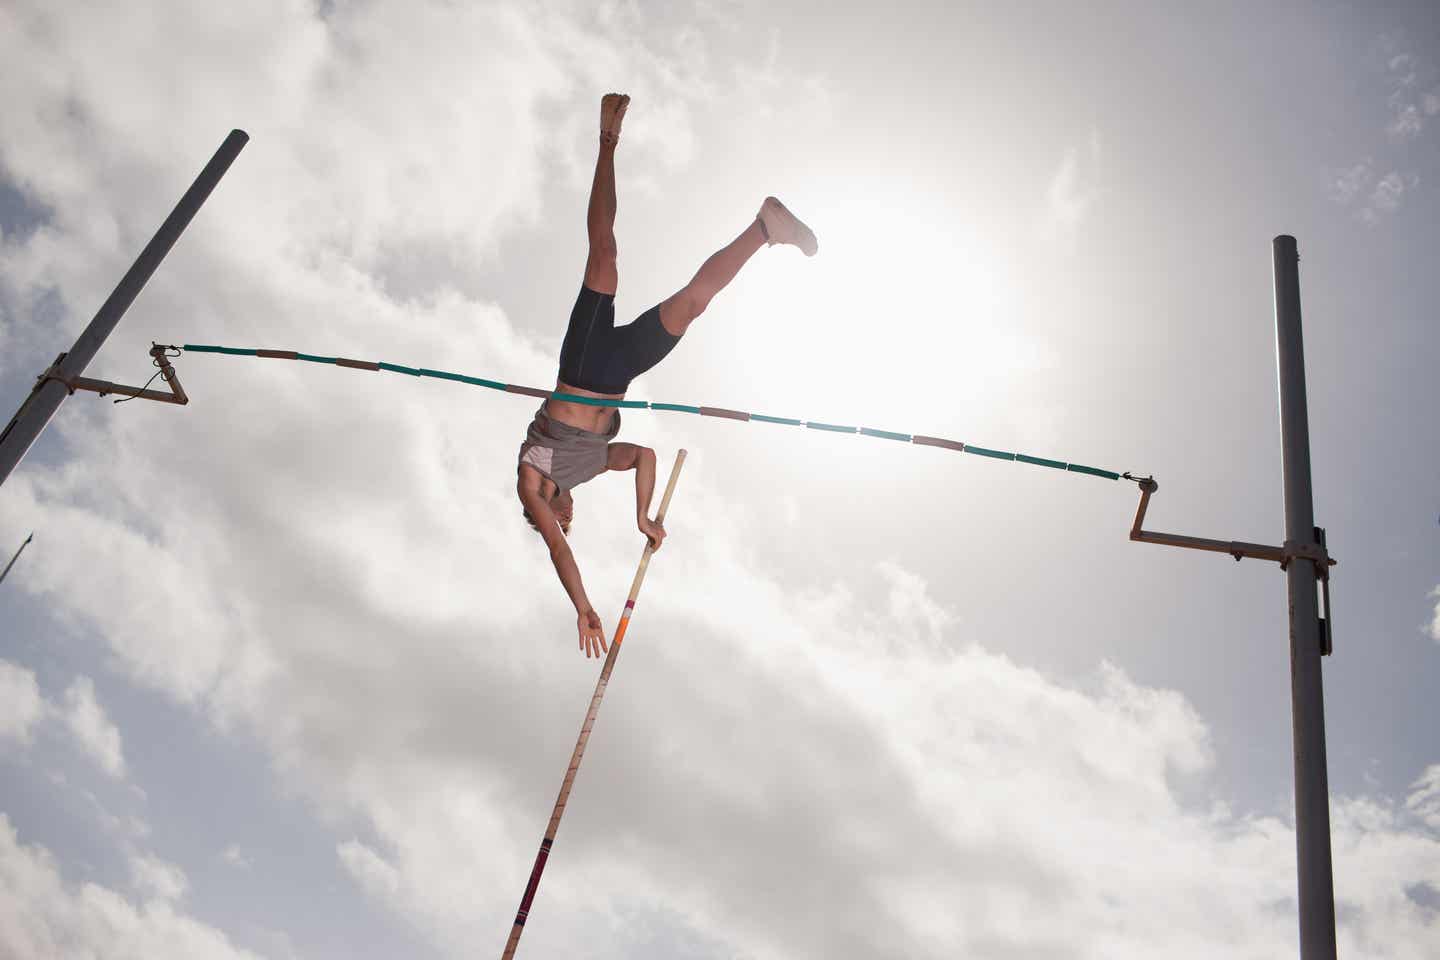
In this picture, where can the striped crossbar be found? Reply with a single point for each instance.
(723, 413)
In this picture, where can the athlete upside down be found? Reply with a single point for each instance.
(569, 443)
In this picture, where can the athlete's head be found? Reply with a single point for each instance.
(561, 504)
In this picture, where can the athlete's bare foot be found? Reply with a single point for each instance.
(781, 226)
(612, 113)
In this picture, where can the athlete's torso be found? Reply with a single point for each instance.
(582, 415)
(565, 454)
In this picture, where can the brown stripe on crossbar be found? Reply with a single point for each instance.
(937, 442)
(722, 412)
(528, 391)
(278, 354)
(357, 364)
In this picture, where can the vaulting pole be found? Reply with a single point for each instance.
(589, 723)
(51, 390)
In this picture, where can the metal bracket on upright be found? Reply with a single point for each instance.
(159, 353)
(1240, 549)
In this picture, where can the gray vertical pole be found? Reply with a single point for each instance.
(6, 572)
(1307, 699)
(47, 396)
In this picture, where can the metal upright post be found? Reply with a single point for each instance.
(1307, 701)
(51, 390)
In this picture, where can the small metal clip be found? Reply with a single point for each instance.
(1327, 638)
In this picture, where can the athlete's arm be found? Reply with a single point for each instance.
(629, 456)
(588, 624)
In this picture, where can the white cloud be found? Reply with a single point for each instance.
(1390, 189)
(42, 917)
(157, 878)
(370, 870)
(1409, 111)
(1424, 798)
(360, 163)
(21, 704)
(236, 857)
(1379, 196)
(1407, 122)
(1074, 188)
(1403, 65)
(125, 830)
(1350, 182)
(1387, 195)
(1435, 620)
(91, 728)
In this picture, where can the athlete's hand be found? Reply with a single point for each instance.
(592, 633)
(653, 531)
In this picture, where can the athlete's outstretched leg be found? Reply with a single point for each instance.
(601, 273)
(774, 224)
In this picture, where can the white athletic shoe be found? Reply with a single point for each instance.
(782, 226)
(612, 113)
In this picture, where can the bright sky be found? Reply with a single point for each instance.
(285, 674)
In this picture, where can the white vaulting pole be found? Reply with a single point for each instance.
(589, 723)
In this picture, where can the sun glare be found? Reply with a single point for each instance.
(895, 314)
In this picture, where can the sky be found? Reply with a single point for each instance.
(285, 674)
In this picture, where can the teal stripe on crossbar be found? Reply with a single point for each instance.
(1040, 461)
(232, 351)
(681, 408)
(600, 401)
(1093, 471)
(461, 378)
(482, 382)
(982, 452)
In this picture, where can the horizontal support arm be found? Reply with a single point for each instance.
(104, 387)
(1236, 548)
